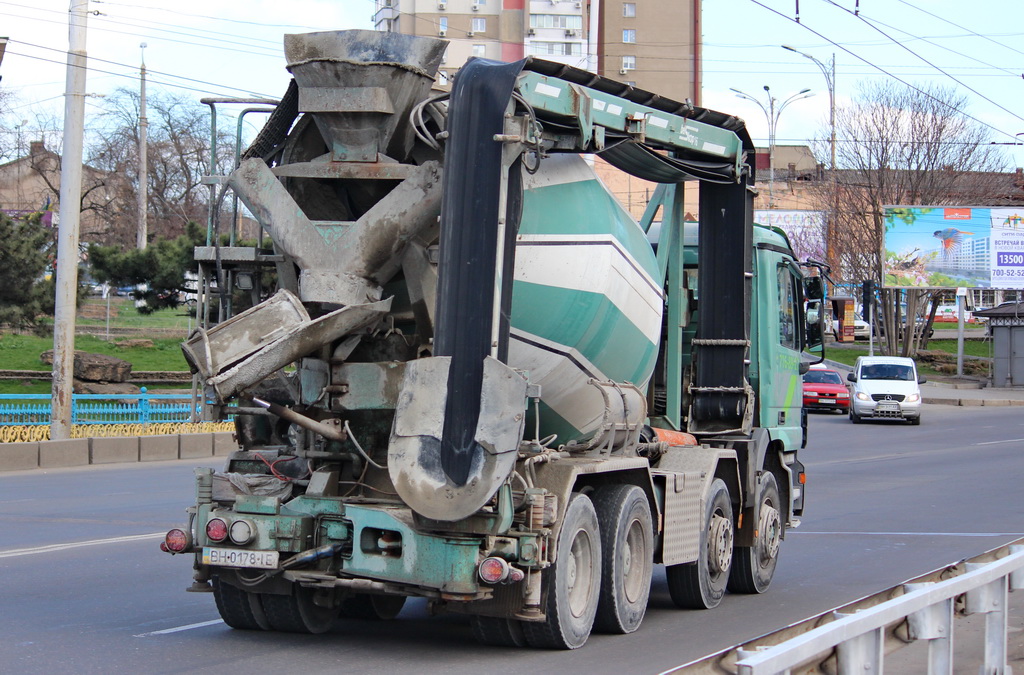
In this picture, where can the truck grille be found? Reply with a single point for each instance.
(890, 397)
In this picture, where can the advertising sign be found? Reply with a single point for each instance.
(947, 247)
(805, 229)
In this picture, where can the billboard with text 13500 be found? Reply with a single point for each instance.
(947, 246)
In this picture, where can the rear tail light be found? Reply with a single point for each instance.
(176, 541)
(493, 570)
(217, 529)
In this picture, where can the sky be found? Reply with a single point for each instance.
(233, 48)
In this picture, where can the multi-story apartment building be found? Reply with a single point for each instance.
(652, 44)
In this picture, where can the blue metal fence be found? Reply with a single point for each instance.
(141, 408)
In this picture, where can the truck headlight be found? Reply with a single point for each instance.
(913, 398)
(861, 396)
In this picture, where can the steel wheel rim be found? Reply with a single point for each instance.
(580, 571)
(634, 554)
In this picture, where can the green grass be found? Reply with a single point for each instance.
(24, 386)
(848, 354)
(21, 352)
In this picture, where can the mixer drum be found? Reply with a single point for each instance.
(587, 301)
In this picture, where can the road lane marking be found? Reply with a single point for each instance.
(14, 553)
(178, 629)
(1009, 440)
(912, 534)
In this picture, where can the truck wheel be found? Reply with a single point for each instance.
(297, 613)
(754, 566)
(496, 632)
(915, 420)
(701, 584)
(239, 609)
(573, 582)
(627, 557)
(371, 607)
(854, 417)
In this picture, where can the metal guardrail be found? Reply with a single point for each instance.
(141, 408)
(853, 638)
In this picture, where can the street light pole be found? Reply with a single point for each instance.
(142, 234)
(772, 112)
(830, 80)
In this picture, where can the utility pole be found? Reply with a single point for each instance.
(67, 232)
(143, 232)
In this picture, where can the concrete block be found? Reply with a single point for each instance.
(972, 402)
(19, 456)
(224, 443)
(156, 448)
(195, 446)
(55, 454)
(114, 450)
(999, 402)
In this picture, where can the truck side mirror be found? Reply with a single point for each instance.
(921, 379)
(814, 288)
(852, 377)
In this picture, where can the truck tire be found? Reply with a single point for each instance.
(701, 584)
(371, 607)
(497, 632)
(239, 609)
(753, 567)
(854, 417)
(627, 557)
(297, 613)
(573, 582)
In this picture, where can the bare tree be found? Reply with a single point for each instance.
(905, 146)
(177, 151)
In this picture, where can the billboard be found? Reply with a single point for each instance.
(946, 247)
(805, 229)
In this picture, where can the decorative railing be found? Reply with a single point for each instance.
(88, 409)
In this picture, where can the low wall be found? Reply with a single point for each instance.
(115, 450)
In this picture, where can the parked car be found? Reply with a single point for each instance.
(885, 387)
(824, 390)
(861, 328)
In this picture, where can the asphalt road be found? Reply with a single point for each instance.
(886, 502)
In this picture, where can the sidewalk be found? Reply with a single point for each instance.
(948, 390)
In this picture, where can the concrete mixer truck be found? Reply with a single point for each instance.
(478, 381)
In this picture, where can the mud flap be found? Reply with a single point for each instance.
(416, 448)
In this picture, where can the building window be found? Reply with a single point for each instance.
(567, 21)
(556, 49)
(629, 35)
(629, 9)
(479, 25)
(442, 25)
(629, 63)
(480, 50)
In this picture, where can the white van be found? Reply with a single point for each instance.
(885, 387)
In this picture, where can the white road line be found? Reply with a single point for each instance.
(78, 544)
(1009, 440)
(178, 629)
(911, 534)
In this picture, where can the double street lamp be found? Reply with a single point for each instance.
(772, 112)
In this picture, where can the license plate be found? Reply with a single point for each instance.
(231, 557)
(887, 407)
(826, 400)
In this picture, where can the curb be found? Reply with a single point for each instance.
(114, 450)
(972, 402)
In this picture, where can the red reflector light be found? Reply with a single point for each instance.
(493, 570)
(176, 541)
(217, 529)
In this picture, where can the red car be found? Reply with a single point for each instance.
(824, 389)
